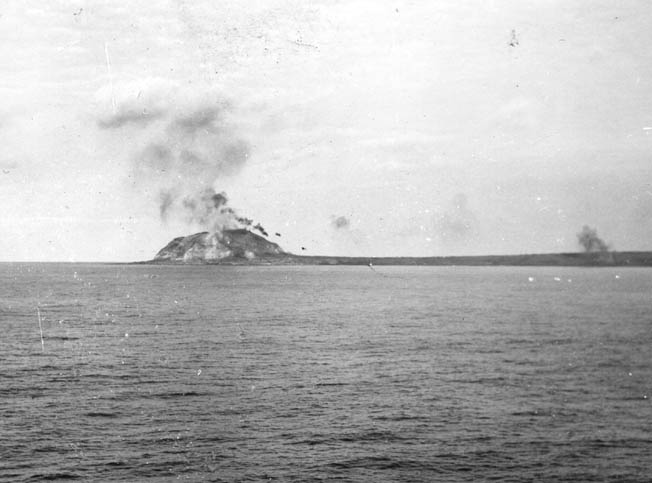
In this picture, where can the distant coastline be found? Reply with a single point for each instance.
(593, 259)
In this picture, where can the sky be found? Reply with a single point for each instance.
(362, 127)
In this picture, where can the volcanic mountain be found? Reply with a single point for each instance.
(229, 245)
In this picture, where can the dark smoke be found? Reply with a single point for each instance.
(340, 222)
(185, 145)
(589, 240)
(219, 199)
(210, 209)
(244, 221)
(260, 228)
(196, 148)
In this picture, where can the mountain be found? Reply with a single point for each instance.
(236, 246)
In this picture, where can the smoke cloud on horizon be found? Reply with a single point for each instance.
(590, 241)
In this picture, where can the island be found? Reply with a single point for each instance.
(242, 247)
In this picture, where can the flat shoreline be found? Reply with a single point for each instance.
(599, 259)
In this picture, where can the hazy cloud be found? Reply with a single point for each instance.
(135, 104)
(129, 116)
(202, 118)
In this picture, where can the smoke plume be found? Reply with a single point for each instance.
(589, 240)
(184, 144)
(340, 222)
(262, 230)
(166, 199)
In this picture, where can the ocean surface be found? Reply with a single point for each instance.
(209, 373)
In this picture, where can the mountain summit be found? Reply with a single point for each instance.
(228, 245)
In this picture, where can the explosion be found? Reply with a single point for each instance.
(589, 240)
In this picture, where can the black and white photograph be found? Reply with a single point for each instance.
(326, 241)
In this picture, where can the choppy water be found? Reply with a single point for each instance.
(325, 373)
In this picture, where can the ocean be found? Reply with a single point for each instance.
(312, 373)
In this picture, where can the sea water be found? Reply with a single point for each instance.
(217, 373)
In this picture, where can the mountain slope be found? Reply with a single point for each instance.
(228, 245)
